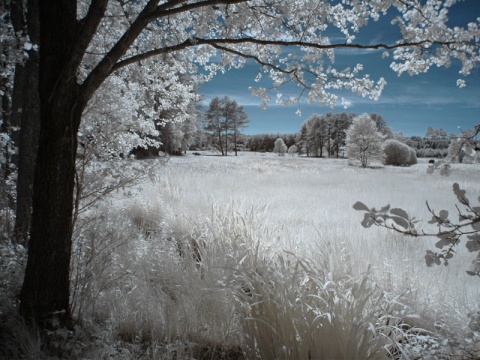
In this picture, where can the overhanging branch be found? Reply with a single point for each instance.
(219, 44)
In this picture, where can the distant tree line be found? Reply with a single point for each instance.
(219, 127)
(319, 136)
(266, 142)
(429, 147)
(325, 135)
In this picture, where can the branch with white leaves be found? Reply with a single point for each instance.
(448, 231)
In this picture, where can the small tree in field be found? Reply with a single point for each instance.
(413, 157)
(224, 117)
(364, 142)
(292, 150)
(280, 147)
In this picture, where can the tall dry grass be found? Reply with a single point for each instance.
(266, 254)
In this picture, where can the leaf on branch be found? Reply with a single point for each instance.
(434, 220)
(431, 258)
(460, 194)
(399, 212)
(401, 221)
(385, 208)
(367, 220)
(443, 215)
(473, 244)
(448, 255)
(360, 206)
(463, 217)
(446, 239)
(473, 273)
(476, 226)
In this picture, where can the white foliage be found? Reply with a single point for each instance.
(413, 157)
(124, 115)
(219, 37)
(398, 153)
(464, 148)
(364, 142)
(292, 150)
(280, 148)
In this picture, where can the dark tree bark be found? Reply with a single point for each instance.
(6, 200)
(45, 291)
(45, 295)
(220, 141)
(25, 111)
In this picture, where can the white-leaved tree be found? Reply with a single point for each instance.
(291, 41)
(364, 142)
(280, 148)
(124, 115)
(292, 150)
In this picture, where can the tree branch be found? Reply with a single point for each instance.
(216, 43)
(88, 27)
(104, 67)
(169, 8)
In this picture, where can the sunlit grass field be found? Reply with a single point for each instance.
(265, 254)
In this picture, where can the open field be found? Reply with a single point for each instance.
(266, 256)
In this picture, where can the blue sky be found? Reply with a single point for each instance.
(408, 104)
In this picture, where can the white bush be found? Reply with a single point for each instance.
(397, 153)
(280, 147)
(292, 150)
(413, 157)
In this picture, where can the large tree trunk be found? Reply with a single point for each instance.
(63, 41)
(25, 116)
(46, 290)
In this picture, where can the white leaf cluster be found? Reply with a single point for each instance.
(426, 24)
(130, 107)
(464, 148)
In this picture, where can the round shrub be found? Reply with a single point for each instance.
(396, 153)
(413, 157)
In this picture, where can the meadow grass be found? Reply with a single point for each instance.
(266, 254)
